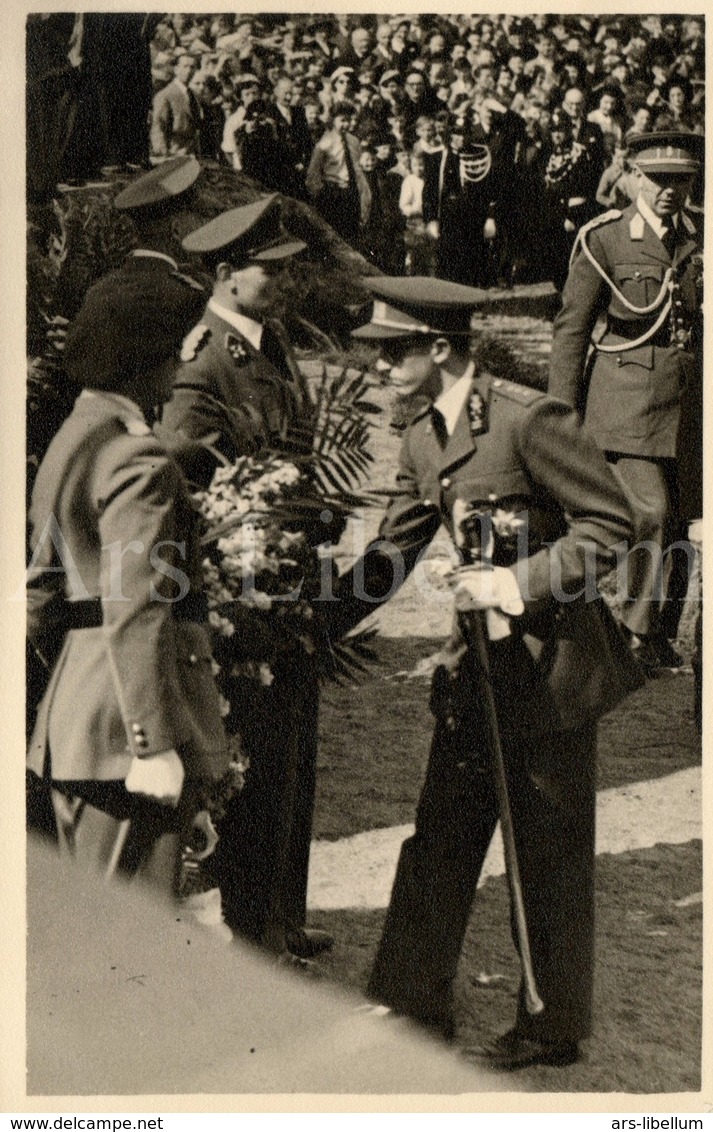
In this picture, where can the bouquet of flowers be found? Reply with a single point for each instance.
(270, 520)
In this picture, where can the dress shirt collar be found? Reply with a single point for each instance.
(246, 326)
(652, 219)
(148, 253)
(450, 404)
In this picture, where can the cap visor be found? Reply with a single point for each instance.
(280, 251)
(380, 332)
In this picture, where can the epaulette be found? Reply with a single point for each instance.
(194, 342)
(522, 394)
(603, 218)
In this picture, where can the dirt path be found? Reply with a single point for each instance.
(358, 871)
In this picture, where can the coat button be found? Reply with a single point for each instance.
(137, 729)
(637, 275)
(193, 659)
(497, 383)
(141, 742)
(445, 482)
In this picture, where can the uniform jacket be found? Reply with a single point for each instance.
(175, 121)
(230, 388)
(529, 452)
(630, 398)
(140, 680)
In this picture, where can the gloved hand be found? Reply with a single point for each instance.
(204, 837)
(486, 587)
(157, 776)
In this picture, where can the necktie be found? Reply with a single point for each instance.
(670, 236)
(349, 164)
(271, 349)
(439, 426)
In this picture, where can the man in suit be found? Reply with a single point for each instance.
(129, 730)
(490, 443)
(240, 386)
(641, 268)
(175, 119)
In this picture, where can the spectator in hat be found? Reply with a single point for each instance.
(175, 118)
(334, 179)
(248, 87)
(129, 732)
(480, 438)
(629, 391)
(240, 385)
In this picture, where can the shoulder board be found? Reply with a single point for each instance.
(522, 394)
(598, 221)
(194, 342)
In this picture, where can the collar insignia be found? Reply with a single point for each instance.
(236, 349)
(637, 225)
(194, 342)
(477, 414)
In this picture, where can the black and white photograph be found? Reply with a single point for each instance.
(363, 534)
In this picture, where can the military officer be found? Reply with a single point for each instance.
(240, 386)
(522, 455)
(641, 268)
(156, 203)
(239, 382)
(129, 729)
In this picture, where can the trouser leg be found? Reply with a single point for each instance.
(553, 808)
(655, 581)
(435, 883)
(297, 863)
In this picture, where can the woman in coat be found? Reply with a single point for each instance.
(128, 732)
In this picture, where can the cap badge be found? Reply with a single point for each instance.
(477, 414)
(194, 342)
(236, 349)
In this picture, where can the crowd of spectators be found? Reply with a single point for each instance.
(471, 147)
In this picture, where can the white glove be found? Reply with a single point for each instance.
(487, 587)
(490, 230)
(157, 776)
(433, 229)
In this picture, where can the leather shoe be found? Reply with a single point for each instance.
(297, 966)
(306, 943)
(656, 656)
(513, 1051)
